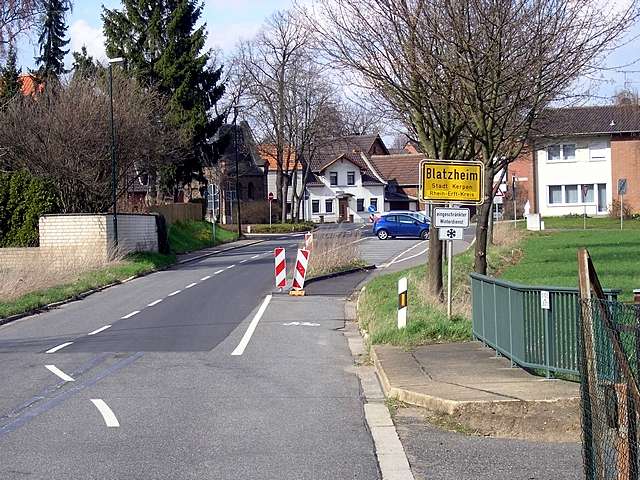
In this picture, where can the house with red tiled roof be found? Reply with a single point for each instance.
(401, 172)
(294, 167)
(344, 185)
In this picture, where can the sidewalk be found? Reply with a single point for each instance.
(473, 387)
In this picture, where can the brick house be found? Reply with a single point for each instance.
(577, 157)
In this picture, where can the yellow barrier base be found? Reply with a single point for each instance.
(296, 293)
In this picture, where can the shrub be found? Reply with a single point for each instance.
(23, 199)
(614, 210)
(282, 228)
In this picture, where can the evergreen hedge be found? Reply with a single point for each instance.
(23, 199)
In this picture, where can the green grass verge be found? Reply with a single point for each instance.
(427, 322)
(135, 264)
(282, 227)
(550, 259)
(196, 235)
(576, 223)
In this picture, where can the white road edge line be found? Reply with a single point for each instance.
(108, 415)
(153, 304)
(190, 285)
(252, 327)
(385, 265)
(101, 329)
(56, 371)
(174, 293)
(204, 279)
(219, 271)
(129, 315)
(59, 347)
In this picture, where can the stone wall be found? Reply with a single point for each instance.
(84, 231)
(14, 258)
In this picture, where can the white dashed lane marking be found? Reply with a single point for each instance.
(59, 347)
(129, 315)
(219, 271)
(101, 329)
(204, 279)
(190, 285)
(174, 293)
(153, 304)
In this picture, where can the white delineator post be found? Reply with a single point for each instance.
(402, 302)
(301, 269)
(281, 267)
(308, 241)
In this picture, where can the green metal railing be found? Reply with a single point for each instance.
(509, 318)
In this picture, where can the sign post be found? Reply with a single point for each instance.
(212, 197)
(585, 191)
(622, 190)
(513, 194)
(447, 181)
(270, 201)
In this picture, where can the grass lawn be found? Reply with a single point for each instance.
(427, 322)
(189, 236)
(550, 259)
(135, 264)
(576, 223)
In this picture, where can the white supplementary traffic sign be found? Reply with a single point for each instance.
(451, 233)
(545, 302)
(451, 217)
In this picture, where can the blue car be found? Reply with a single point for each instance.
(401, 225)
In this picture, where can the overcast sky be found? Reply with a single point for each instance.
(230, 20)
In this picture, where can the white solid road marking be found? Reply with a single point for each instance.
(108, 415)
(219, 271)
(129, 315)
(101, 329)
(252, 327)
(59, 347)
(204, 279)
(56, 371)
(385, 265)
(255, 256)
(174, 293)
(190, 285)
(153, 304)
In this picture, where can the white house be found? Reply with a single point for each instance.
(574, 173)
(345, 184)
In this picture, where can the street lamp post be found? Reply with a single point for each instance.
(235, 145)
(114, 163)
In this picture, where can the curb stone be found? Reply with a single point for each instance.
(340, 274)
(82, 295)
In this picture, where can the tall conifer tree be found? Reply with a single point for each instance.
(163, 46)
(9, 82)
(52, 41)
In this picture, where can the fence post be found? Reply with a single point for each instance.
(547, 343)
(482, 311)
(495, 321)
(510, 330)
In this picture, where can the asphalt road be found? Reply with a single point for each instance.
(191, 373)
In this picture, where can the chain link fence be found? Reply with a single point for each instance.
(609, 363)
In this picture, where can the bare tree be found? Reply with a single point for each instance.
(63, 134)
(360, 119)
(16, 16)
(626, 96)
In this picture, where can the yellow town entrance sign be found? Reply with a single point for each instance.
(451, 181)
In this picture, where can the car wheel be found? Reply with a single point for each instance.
(424, 235)
(383, 235)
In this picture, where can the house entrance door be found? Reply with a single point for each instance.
(343, 209)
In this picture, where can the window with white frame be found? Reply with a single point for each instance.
(360, 204)
(374, 203)
(574, 194)
(571, 194)
(598, 151)
(555, 194)
(351, 178)
(328, 206)
(315, 206)
(333, 178)
(565, 152)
